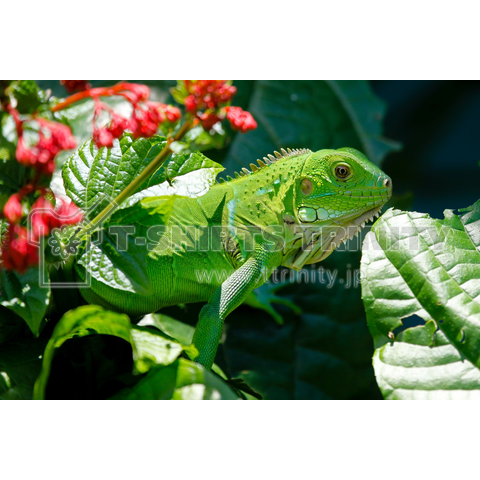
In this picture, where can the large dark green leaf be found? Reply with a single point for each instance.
(315, 115)
(154, 353)
(20, 364)
(324, 353)
(150, 347)
(414, 265)
(24, 295)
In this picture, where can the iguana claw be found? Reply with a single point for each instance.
(264, 297)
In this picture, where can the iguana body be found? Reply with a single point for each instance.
(292, 210)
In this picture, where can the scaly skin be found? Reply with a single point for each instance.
(292, 211)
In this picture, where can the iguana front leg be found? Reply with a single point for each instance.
(233, 291)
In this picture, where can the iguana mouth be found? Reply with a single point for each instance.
(319, 242)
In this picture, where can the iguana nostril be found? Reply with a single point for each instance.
(387, 183)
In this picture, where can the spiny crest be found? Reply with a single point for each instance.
(268, 160)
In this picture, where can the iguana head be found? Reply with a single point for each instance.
(335, 194)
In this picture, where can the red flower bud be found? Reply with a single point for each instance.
(13, 209)
(240, 119)
(191, 104)
(69, 214)
(117, 126)
(43, 217)
(103, 138)
(209, 120)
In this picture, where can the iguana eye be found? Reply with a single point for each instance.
(342, 171)
(306, 186)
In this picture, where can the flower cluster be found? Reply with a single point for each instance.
(207, 100)
(53, 137)
(146, 116)
(20, 248)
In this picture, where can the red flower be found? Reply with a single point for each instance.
(117, 126)
(13, 209)
(41, 156)
(240, 119)
(209, 120)
(17, 253)
(69, 214)
(191, 104)
(145, 122)
(173, 113)
(103, 138)
(61, 134)
(45, 218)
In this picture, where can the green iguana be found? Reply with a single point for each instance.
(292, 209)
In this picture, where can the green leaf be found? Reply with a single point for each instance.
(150, 347)
(28, 95)
(315, 115)
(24, 294)
(93, 177)
(181, 380)
(413, 264)
(175, 329)
(118, 259)
(147, 212)
(178, 330)
(20, 363)
(187, 175)
(471, 215)
(409, 369)
(181, 164)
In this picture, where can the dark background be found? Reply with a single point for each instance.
(438, 125)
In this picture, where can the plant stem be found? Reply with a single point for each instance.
(133, 186)
(90, 93)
